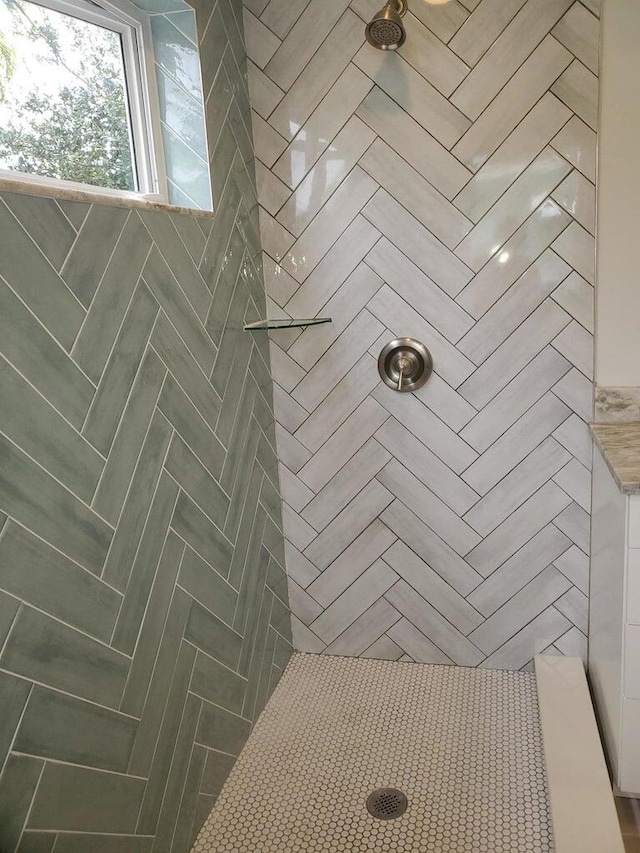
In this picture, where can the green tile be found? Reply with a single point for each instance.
(17, 786)
(282, 653)
(233, 336)
(48, 227)
(277, 578)
(233, 393)
(32, 351)
(153, 626)
(13, 697)
(236, 450)
(264, 687)
(252, 593)
(259, 651)
(120, 371)
(191, 425)
(281, 618)
(203, 536)
(228, 280)
(171, 725)
(221, 730)
(202, 582)
(246, 535)
(38, 574)
(36, 427)
(203, 810)
(212, 48)
(109, 306)
(189, 170)
(175, 304)
(274, 541)
(185, 21)
(190, 234)
(70, 842)
(189, 803)
(213, 258)
(271, 501)
(185, 370)
(94, 246)
(168, 686)
(129, 439)
(255, 574)
(9, 606)
(145, 566)
(29, 273)
(40, 503)
(217, 683)
(67, 729)
(74, 799)
(216, 771)
(37, 842)
(197, 482)
(51, 653)
(134, 514)
(221, 160)
(163, 231)
(245, 464)
(75, 211)
(175, 54)
(212, 636)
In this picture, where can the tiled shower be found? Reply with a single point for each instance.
(152, 453)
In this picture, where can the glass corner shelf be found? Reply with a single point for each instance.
(275, 325)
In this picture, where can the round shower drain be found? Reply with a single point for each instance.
(387, 803)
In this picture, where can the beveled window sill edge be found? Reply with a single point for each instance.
(89, 197)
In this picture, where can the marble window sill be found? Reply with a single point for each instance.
(619, 444)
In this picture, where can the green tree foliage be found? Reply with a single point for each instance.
(80, 134)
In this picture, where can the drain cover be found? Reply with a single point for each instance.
(387, 803)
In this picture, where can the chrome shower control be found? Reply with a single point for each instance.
(405, 364)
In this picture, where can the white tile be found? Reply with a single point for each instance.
(359, 635)
(576, 345)
(319, 76)
(442, 520)
(303, 607)
(578, 144)
(575, 480)
(576, 391)
(577, 298)
(296, 529)
(298, 567)
(633, 587)
(443, 19)
(354, 560)
(513, 208)
(327, 227)
(255, 6)
(507, 53)
(520, 148)
(290, 451)
(431, 58)
(414, 94)
(402, 133)
(532, 600)
(334, 269)
(579, 32)
(358, 289)
(340, 403)
(308, 33)
(384, 648)
(516, 443)
(325, 123)
(279, 285)
(346, 484)
(288, 413)
(410, 189)
(517, 254)
(418, 244)
(510, 493)
(326, 176)
(544, 630)
(578, 197)
(575, 606)
(575, 436)
(634, 521)
(293, 490)
(431, 548)
(261, 42)
(272, 193)
(281, 15)
(263, 92)
(349, 524)
(526, 564)
(577, 247)
(574, 565)
(276, 240)
(347, 440)
(515, 353)
(284, 369)
(544, 371)
(426, 466)
(629, 771)
(337, 361)
(632, 662)
(417, 645)
(449, 406)
(512, 104)
(578, 89)
(400, 317)
(575, 523)
(418, 290)
(528, 292)
(482, 28)
(269, 145)
(305, 640)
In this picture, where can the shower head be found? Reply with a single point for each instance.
(386, 31)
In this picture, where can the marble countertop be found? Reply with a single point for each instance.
(619, 444)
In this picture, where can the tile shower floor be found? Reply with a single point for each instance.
(463, 744)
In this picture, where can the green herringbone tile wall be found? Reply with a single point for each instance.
(143, 608)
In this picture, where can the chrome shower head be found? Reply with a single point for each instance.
(386, 31)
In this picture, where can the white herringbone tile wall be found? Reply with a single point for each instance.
(445, 192)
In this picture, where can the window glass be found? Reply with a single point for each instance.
(63, 98)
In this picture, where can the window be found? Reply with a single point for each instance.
(77, 95)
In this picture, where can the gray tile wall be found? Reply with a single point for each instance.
(444, 192)
(143, 602)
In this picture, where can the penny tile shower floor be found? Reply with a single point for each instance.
(463, 744)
